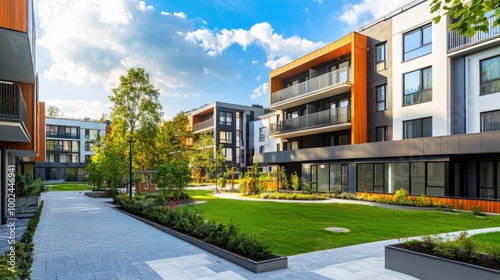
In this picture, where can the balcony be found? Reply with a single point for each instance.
(67, 135)
(203, 126)
(320, 122)
(457, 42)
(326, 85)
(13, 114)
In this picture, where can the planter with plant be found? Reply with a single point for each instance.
(439, 258)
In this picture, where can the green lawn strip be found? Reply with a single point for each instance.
(69, 187)
(487, 240)
(295, 228)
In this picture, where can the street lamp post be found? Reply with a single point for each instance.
(130, 141)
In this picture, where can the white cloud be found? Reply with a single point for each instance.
(258, 78)
(318, 1)
(365, 11)
(260, 91)
(180, 15)
(255, 61)
(93, 42)
(279, 50)
(80, 108)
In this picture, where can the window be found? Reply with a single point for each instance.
(288, 146)
(490, 121)
(262, 149)
(226, 137)
(487, 180)
(88, 146)
(292, 115)
(381, 134)
(226, 118)
(91, 134)
(417, 86)
(228, 153)
(381, 98)
(417, 128)
(380, 57)
(339, 140)
(417, 42)
(262, 134)
(490, 75)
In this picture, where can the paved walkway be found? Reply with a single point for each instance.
(84, 238)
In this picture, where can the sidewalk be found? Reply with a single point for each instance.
(83, 238)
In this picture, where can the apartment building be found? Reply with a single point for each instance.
(68, 146)
(423, 110)
(21, 115)
(229, 126)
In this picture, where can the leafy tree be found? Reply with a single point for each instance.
(53, 112)
(472, 15)
(201, 155)
(172, 178)
(172, 137)
(136, 114)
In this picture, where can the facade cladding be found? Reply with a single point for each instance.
(400, 103)
(68, 146)
(21, 115)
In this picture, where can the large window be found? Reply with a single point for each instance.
(417, 86)
(417, 42)
(489, 180)
(288, 146)
(91, 134)
(262, 134)
(226, 118)
(417, 128)
(339, 140)
(490, 75)
(226, 137)
(381, 134)
(228, 153)
(490, 121)
(381, 98)
(381, 56)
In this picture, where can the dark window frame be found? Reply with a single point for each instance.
(228, 137)
(481, 120)
(379, 60)
(262, 134)
(385, 134)
(421, 132)
(481, 82)
(421, 43)
(380, 101)
(227, 116)
(422, 97)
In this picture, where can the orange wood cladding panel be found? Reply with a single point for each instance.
(40, 138)
(14, 14)
(489, 206)
(359, 117)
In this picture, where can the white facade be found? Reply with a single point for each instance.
(260, 140)
(475, 103)
(439, 107)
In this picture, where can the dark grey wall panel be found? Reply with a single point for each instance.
(458, 110)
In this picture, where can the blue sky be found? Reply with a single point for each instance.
(196, 52)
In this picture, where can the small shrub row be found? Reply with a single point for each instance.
(192, 223)
(23, 253)
(291, 196)
(462, 249)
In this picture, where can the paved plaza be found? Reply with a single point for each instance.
(85, 238)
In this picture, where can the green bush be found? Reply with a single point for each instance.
(401, 195)
(70, 177)
(477, 210)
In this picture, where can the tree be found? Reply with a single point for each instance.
(172, 137)
(172, 178)
(136, 114)
(201, 155)
(53, 112)
(471, 16)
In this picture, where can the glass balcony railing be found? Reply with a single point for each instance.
(12, 104)
(68, 135)
(203, 125)
(456, 42)
(320, 119)
(321, 82)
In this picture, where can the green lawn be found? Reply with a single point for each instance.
(68, 187)
(485, 240)
(295, 228)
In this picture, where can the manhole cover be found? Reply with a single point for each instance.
(337, 229)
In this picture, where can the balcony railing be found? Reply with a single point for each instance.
(456, 41)
(12, 104)
(324, 81)
(203, 125)
(62, 135)
(314, 120)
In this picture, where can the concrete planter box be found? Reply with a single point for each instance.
(279, 262)
(27, 205)
(425, 266)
